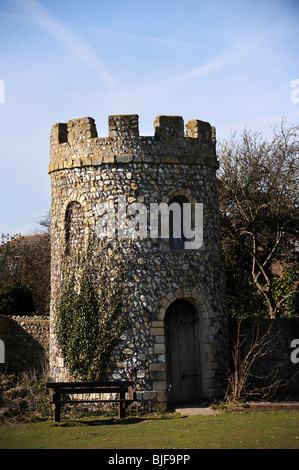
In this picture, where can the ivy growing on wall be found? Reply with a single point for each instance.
(92, 312)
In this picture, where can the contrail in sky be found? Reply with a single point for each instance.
(74, 44)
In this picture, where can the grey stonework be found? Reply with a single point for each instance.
(86, 169)
(26, 341)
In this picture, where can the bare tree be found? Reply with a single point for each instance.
(244, 357)
(25, 261)
(258, 187)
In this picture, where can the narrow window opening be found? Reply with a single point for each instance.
(74, 226)
(178, 243)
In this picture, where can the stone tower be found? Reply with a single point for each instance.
(175, 348)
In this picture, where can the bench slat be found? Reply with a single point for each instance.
(73, 391)
(121, 400)
(89, 384)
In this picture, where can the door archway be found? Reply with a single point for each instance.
(183, 371)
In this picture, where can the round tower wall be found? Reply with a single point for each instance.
(86, 171)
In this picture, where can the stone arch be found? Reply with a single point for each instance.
(75, 207)
(179, 192)
(73, 226)
(193, 295)
(206, 341)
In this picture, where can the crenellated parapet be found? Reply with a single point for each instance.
(76, 143)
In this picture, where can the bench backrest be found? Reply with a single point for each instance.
(90, 387)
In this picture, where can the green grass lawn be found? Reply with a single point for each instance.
(254, 430)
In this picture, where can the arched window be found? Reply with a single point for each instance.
(176, 224)
(176, 219)
(74, 225)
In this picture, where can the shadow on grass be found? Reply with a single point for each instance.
(113, 421)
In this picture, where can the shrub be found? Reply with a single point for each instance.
(16, 299)
(27, 397)
(91, 312)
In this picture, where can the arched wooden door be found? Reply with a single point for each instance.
(182, 353)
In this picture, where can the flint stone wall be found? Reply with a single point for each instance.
(26, 342)
(87, 170)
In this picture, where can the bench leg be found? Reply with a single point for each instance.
(121, 410)
(121, 406)
(56, 412)
(55, 401)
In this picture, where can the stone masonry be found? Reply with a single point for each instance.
(26, 341)
(171, 165)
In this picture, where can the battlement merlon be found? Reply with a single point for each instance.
(76, 143)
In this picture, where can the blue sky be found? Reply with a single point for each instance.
(227, 62)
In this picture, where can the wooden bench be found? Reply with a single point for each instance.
(56, 389)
